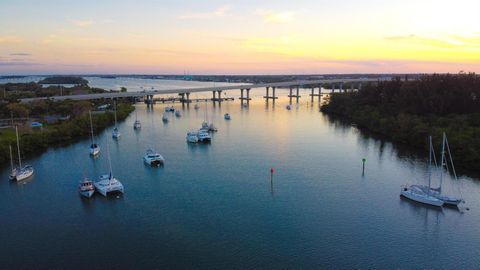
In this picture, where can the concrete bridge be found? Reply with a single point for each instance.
(184, 93)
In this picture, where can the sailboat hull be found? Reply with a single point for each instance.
(420, 197)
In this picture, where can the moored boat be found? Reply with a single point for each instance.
(94, 147)
(86, 188)
(227, 116)
(24, 172)
(192, 137)
(153, 159)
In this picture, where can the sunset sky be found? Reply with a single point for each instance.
(238, 37)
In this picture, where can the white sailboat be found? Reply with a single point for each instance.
(107, 183)
(13, 170)
(94, 147)
(137, 125)
(415, 193)
(115, 133)
(26, 171)
(437, 192)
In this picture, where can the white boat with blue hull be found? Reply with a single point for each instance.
(153, 159)
(437, 192)
(227, 116)
(415, 193)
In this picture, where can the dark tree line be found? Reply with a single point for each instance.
(409, 111)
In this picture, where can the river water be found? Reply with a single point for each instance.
(216, 206)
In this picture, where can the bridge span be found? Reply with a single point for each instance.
(184, 93)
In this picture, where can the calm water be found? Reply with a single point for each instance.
(214, 206)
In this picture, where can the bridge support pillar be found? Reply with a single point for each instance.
(267, 96)
(214, 98)
(341, 87)
(188, 97)
(219, 96)
(333, 88)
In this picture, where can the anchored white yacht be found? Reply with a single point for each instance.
(192, 137)
(437, 192)
(414, 192)
(153, 159)
(24, 172)
(86, 188)
(417, 194)
(94, 148)
(204, 136)
(137, 125)
(107, 183)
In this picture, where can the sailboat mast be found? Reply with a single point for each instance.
(430, 164)
(11, 156)
(18, 148)
(442, 160)
(91, 124)
(115, 108)
(109, 162)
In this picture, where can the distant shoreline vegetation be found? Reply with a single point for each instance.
(409, 111)
(77, 126)
(64, 80)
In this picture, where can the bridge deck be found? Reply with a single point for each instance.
(197, 90)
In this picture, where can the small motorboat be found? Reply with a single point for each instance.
(212, 128)
(170, 109)
(204, 136)
(192, 137)
(86, 188)
(165, 118)
(178, 113)
(153, 159)
(289, 107)
(94, 149)
(196, 107)
(137, 125)
(115, 133)
(227, 116)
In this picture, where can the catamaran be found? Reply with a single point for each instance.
(437, 192)
(24, 172)
(415, 193)
(94, 147)
(115, 133)
(153, 159)
(107, 183)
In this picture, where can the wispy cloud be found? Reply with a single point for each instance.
(276, 16)
(219, 12)
(18, 63)
(406, 37)
(20, 54)
(82, 23)
(445, 42)
(10, 40)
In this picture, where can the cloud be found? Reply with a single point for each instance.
(21, 54)
(18, 63)
(82, 23)
(411, 36)
(10, 40)
(219, 12)
(276, 16)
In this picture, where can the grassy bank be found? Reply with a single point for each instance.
(37, 141)
(409, 111)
